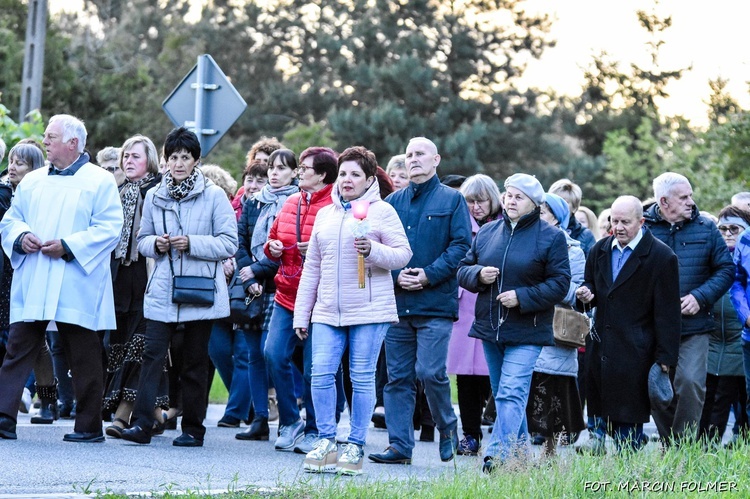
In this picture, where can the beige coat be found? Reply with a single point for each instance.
(329, 290)
(207, 218)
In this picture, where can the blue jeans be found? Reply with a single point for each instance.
(280, 346)
(417, 348)
(229, 352)
(328, 346)
(511, 368)
(256, 341)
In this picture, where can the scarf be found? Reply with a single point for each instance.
(179, 191)
(273, 200)
(130, 195)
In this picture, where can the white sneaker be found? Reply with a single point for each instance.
(322, 459)
(26, 401)
(350, 462)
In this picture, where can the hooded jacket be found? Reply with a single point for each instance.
(533, 261)
(207, 218)
(706, 268)
(329, 288)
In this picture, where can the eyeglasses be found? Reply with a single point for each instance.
(302, 168)
(732, 229)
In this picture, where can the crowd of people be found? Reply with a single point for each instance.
(372, 286)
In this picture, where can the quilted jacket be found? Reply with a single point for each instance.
(329, 289)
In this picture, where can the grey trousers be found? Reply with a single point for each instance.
(417, 348)
(682, 417)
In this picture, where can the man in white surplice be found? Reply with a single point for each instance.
(62, 225)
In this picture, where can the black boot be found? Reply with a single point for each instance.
(48, 411)
(258, 430)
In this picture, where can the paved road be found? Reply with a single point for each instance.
(40, 464)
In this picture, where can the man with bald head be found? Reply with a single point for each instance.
(436, 220)
(633, 281)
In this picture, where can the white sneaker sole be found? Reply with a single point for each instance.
(348, 471)
(291, 447)
(316, 468)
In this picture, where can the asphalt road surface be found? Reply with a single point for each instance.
(40, 464)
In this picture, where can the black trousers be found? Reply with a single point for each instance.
(473, 392)
(83, 351)
(193, 373)
(721, 393)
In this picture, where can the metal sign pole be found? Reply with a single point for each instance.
(199, 89)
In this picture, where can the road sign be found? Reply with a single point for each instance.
(205, 102)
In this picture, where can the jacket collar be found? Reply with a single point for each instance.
(640, 252)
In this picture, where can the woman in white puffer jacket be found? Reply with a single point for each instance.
(344, 314)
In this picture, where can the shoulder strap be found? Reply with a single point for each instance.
(299, 208)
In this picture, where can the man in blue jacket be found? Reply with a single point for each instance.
(436, 220)
(706, 273)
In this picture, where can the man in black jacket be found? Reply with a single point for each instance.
(706, 273)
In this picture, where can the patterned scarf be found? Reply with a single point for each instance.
(130, 195)
(179, 191)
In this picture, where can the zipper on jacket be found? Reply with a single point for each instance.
(338, 270)
(500, 286)
(369, 281)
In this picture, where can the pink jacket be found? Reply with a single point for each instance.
(465, 354)
(329, 292)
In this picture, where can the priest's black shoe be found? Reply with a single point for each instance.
(187, 440)
(7, 428)
(84, 437)
(136, 434)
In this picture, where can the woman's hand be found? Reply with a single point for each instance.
(180, 243)
(488, 275)
(302, 247)
(275, 248)
(363, 246)
(228, 266)
(584, 294)
(301, 333)
(246, 273)
(162, 243)
(255, 289)
(508, 299)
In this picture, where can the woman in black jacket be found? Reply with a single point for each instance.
(519, 268)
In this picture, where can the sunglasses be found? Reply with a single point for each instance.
(732, 229)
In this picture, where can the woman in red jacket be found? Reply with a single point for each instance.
(287, 244)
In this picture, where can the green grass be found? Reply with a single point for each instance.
(218, 393)
(686, 472)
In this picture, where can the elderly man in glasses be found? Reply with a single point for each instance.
(706, 273)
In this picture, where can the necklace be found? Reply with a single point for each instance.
(502, 313)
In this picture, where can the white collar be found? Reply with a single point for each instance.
(632, 244)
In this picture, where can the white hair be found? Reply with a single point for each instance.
(741, 199)
(424, 140)
(72, 128)
(664, 183)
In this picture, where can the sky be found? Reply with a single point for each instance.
(710, 37)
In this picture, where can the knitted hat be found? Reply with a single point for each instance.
(527, 184)
(559, 209)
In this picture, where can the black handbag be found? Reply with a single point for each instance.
(243, 308)
(191, 289)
